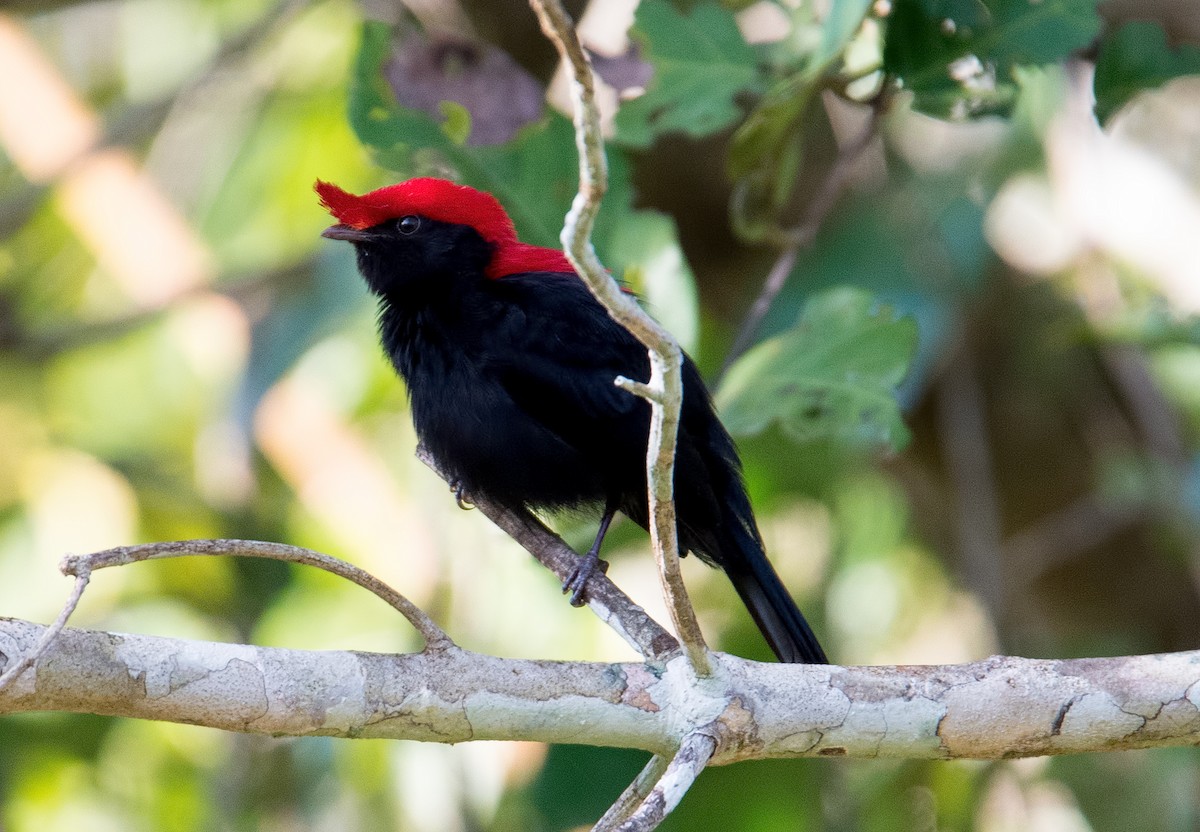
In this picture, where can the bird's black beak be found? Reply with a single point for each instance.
(350, 235)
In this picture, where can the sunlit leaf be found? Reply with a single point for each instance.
(701, 63)
(458, 121)
(832, 376)
(837, 29)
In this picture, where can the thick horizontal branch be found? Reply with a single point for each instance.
(998, 707)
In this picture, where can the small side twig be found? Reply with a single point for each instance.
(604, 598)
(664, 390)
(82, 566)
(435, 637)
(802, 236)
(693, 755)
(82, 577)
(634, 795)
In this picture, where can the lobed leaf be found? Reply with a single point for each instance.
(833, 376)
(701, 63)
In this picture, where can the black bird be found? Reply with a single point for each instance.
(510, 361)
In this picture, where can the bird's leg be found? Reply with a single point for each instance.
(576, 582)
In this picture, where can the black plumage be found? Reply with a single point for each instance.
(511, 385)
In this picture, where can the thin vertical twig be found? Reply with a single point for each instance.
(802, 236)
(664, 390)
(82, 577)
(634, 795)
(693, 755)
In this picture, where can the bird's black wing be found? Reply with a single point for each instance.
(557, 353)
(561, 357)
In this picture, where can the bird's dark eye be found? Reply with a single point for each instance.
(408, 225)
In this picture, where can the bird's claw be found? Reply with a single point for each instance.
(576, 582)
(460, 496)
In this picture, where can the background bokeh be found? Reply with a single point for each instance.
(182, 356)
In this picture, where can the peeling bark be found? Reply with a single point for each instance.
(995, 708)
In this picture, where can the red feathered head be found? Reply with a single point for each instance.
(437, 199)
(444, 201)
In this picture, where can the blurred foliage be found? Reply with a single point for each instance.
(1137, 57)
(834, 374)
(957, 56)
(1014, 281)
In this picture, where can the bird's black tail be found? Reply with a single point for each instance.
(763, 593)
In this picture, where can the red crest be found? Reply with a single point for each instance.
(444, 201)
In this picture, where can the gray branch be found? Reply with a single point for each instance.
(996, 708)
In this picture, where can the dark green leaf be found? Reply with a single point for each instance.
(832, 376)
(957, 56)
(767, 153)
(701, 62)
(1135, 58)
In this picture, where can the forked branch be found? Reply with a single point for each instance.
(81, 568)
(693, 755)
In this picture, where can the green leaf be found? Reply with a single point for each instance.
(926, 38)
(768, 149)
(457, 125)
(701, 62)
(767, 152)
(1135, 58)
(1045, 32)
(535, 176)
(839, 26)
(393, 132)
(832, 376)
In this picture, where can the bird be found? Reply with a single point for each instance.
(510, 362)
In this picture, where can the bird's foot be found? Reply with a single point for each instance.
(576, 582)
(460, 495)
